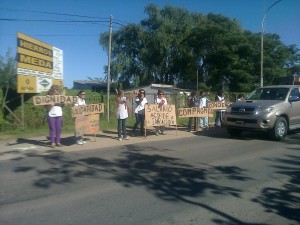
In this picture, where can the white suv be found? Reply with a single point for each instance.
(275, 109)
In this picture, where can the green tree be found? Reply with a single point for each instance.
(7, 70)
(171, 44)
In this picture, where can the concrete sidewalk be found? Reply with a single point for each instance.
(40, 145)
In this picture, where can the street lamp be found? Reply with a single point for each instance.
(262, 43)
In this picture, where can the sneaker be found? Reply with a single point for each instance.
(127, 138)
(163, 133)
(120, 139)
(52, 145)
(157, 133)
(79, 142)
(59, 145)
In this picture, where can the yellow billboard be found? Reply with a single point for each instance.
(38, 60)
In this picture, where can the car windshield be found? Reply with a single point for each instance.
(268, 94)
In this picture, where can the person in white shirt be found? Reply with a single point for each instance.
(80, 101)
(122, 115)
(54, 116)
(203, 103)
(219, 113)
(140, 112)
(160, 100)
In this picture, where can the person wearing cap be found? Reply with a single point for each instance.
(161, 101)
(139, 111)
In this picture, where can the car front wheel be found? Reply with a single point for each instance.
(279, 131)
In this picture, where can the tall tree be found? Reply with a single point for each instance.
(171, 44)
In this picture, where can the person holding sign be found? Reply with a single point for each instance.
(192, 100)
(140, 111)
(203, 103)
(80, 101)
(219, 113)
(54, 116)
(160, 100)
(122, 115)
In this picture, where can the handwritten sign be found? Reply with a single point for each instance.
(81, 124)
(83, 110)
(93, 124)
(87, 124)
(160, 116)
(218, 105)
(54, 99)
(195, 112)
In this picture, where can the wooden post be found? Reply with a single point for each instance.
(22, 105)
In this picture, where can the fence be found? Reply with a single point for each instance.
(35, 116)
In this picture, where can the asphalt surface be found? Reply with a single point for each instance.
(10, 148)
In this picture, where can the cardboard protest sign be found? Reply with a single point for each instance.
(160, 116)
(195, 112)
(87, 125)
(81, 124)
(93, 124)
(218, 105)
(83, 110)
(87, 118)
(54, 99)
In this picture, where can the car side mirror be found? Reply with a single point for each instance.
(294, 99)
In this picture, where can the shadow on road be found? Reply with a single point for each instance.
(171, 179)
(284, 201)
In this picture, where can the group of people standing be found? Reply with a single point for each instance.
(55, 112)
(139, 111)
(202, 101)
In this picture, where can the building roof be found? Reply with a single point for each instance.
(153, 88)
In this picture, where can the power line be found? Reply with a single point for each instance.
(116, 21)
(51, 13)
(54, 21)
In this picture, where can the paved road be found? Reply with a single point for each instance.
(191, 178)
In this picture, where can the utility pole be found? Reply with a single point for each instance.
(108, 67)
(197, 80)
(262, 43)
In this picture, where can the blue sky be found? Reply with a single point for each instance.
(83, 57)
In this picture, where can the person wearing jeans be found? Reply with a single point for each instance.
(140, 112)
(122, 115)
(202, 103)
